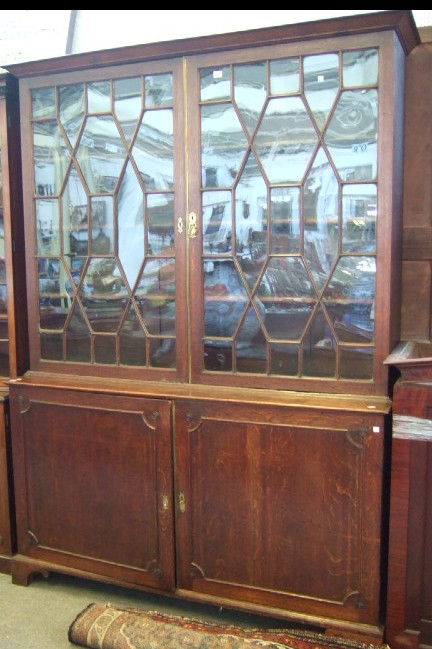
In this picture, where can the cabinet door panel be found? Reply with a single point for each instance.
(281, 507)
(93, 483)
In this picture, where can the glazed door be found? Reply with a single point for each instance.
(93, 485)
(280, 508)
(285, 187)
(103, 196)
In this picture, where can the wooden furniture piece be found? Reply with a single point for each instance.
(409, 602)
(13, 328)
(212, 228)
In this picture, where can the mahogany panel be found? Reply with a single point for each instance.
(409, 601)
(7, 536)
(93, 483)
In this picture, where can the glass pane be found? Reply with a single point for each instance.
(105, 349)
(285, 124)
(160, 223)
(155, 297)
(216, 222)
(104, 295)
(284, 359)
(47, 227)
(215, 83)
(250, 92)
(284, 76)
(351, 136)
(128, 104)
(320, 215)
(158, 90)
(132, 340)
(75, 221)
(288, 297)
(71, 110)
(359, 212)
(130, 223)
(53, 298)
(102, 225)
(153, 150)
(360, 68)
(251, 206)
(223, 145)
(319, 348)
(51, 158)
(225, 301)
(99, 97)
(284, 220)
(321, 84)
(356, 363)
(349, 298)
(101, 154)
(43, 103)
(78, 338)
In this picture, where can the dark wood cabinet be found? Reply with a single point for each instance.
(94, 485)
(272, 507)
(409, 603)
(14, 357)
(213, 264)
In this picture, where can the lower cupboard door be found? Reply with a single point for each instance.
(93, 480)
(280, 507)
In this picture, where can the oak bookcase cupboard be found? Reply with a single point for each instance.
(13, 331)
(213, 244)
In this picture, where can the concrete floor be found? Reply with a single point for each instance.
(38, 616)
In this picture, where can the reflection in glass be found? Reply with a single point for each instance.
(216, 222)
(285, 220)
(99, 97)
(155, 297)
(160, 223)
(349, 298)
(250, 91)
(282, 297)
(128, 104)
(77, 338)
(132, 340)
(356, 363)
(153, 150)
(75, 221)
(51, 158)
(359, 212)
(47, 227)
(321, 84)
(284, 76)
(225, 301)
(288, 297)
(215, 83)
(158, 90)
(53, 299)
(43, 103)
(71, 110)
(251, 240)
(285, 140)
(320, 217)
(223, 145)
(130, 224)
(351, 136)
(101, 154)
(360, 67)
(319, 348)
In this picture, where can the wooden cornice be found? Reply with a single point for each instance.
(400, 21)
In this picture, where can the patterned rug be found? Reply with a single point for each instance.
(102, 626)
